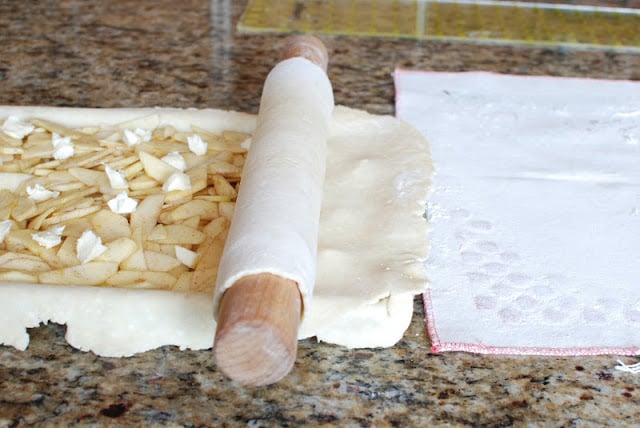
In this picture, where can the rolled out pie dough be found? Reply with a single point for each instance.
(275, 223)
(372, 244)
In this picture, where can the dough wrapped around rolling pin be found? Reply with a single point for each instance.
(275, 223)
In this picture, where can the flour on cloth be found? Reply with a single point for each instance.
(535, 211)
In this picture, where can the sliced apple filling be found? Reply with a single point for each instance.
(115, 207)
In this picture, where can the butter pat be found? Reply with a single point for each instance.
(177, 181)
(176, 160)
(196, 145)
(89, 246)
(62, 147)
(39, 193)
(16, 128)
(136, 136)
(50, 237)
(122, 204)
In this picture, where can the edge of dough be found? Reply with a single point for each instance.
(110, 322)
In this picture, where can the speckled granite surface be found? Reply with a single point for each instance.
(128, 53)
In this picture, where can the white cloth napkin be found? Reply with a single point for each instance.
(535, 211)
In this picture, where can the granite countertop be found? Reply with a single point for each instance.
(125, 53)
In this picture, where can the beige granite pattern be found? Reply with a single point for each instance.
(126, 53)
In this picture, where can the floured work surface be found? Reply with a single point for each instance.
(373, 237)
(535, 211)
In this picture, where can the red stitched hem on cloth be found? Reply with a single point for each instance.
(437, 345)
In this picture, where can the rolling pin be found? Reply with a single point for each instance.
(267, 270)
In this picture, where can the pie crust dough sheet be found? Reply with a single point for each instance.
(370, 258)
(275, 223)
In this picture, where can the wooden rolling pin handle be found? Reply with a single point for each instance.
(257, 336)
(308, 47)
